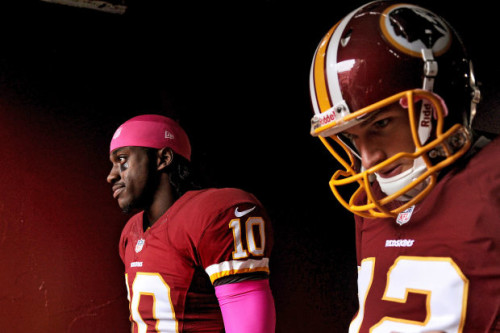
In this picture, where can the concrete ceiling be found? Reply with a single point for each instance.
(110, 6)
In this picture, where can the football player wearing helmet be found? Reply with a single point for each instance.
(196, 260)
(394, 96)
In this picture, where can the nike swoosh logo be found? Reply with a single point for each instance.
(237, 213)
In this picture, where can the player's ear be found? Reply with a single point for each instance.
(165, 158)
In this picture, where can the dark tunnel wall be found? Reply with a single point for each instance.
(59, 231)
(236, 77)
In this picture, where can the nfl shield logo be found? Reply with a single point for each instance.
(405, 215)
(139, 245)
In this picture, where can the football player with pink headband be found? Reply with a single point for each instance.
(196, 260)
(394, 98)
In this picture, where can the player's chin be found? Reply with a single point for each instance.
(126, 209)
(129, 206)
(125, 205)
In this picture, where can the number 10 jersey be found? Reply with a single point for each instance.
(170, 268)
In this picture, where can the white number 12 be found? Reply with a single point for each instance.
(440, 279)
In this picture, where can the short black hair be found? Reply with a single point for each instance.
(181, 174)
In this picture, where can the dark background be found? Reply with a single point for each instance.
(236, 76)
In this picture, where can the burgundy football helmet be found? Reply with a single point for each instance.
(383, 53)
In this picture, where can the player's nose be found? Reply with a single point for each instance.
(113, 175)
(371, 156)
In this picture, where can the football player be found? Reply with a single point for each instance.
(196, 260)
(394, 97)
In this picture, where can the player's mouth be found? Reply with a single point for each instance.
(118, 189)
(391, 171)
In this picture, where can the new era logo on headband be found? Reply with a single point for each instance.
(169, 135)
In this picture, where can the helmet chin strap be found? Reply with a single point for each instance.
(426, 110)
(392, 185)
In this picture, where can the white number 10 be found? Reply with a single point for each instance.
(153, 285)
(253, 248)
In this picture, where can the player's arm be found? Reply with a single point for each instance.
(238, 266)
(247, 306)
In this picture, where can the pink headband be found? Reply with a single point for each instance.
(152, 131)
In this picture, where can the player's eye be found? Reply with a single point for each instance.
(122, 161)
(381, 123)
(348, 136)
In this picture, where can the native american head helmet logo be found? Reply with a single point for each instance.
(410, 29)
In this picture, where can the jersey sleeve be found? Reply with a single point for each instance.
(237, 242)
(358, 221)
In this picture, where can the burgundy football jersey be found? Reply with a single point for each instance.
(436, 266)
(170, 268)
